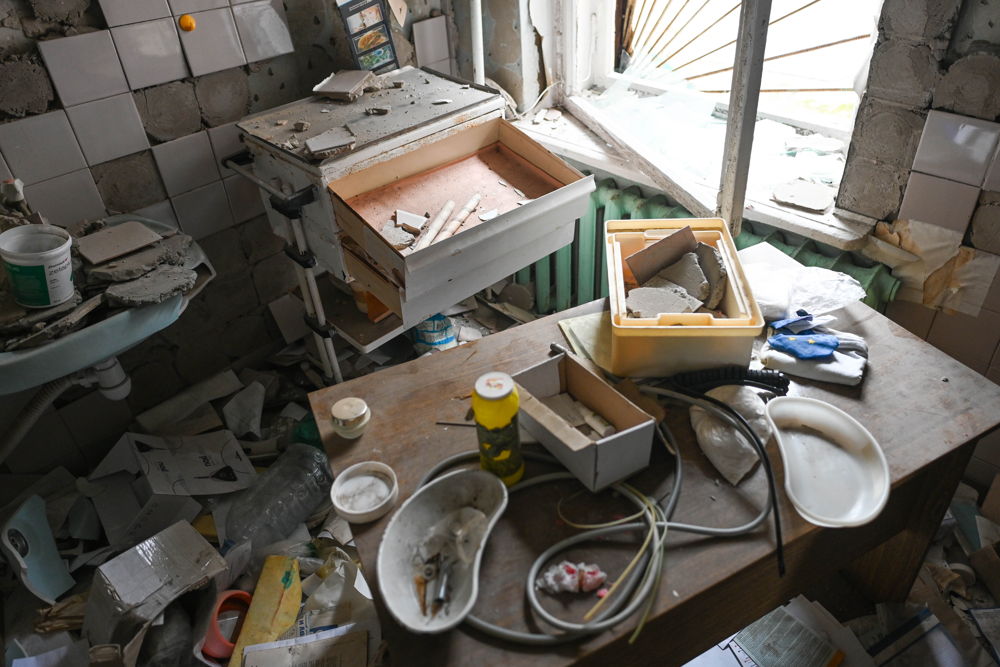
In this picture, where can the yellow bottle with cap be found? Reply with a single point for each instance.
(495, 404)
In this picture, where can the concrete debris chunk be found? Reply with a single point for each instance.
(301, 125)
(687, 273)
(553, 114)
(34, 318)
(715, 272)
(156, 286)
(489, 215)
(378, 111)
(653, 301)
(810, 196)
(398, 237)
(441, 101)
(330, 142)
(59, 327)
(172, 250)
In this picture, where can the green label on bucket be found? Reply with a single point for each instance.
(29, 284)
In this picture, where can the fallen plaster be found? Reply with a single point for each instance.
(223, 97)
(155, 287)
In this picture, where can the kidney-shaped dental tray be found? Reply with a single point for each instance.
(409, 529)
(835, 472)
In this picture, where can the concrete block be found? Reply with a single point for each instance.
(986, 223)
(687, 273)
(872, 188)
(887, 132)
(223, 97)
(919, 20)
(129, 183)
(274, 277)
(155, 287)
(225, 252)
(25, 87)
(903, 72)
(652, 301)
(259, 242)
(169, 111)
(971, 87)
(64, 11)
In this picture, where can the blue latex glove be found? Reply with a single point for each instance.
(805, 346)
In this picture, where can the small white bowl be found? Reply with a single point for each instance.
(365, 491)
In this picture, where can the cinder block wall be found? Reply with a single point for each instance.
(933, 56)
(230, 319)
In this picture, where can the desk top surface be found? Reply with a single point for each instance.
(919, 403)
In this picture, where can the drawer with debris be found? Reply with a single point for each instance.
(679, 300)
(428, 228)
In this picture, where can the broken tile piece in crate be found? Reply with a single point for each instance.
(652, 301)
(489, 215)
(411, 222)
(398, 237)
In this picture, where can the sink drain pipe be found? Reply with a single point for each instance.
(108, 375)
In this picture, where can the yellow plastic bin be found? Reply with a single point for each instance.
(677, 342)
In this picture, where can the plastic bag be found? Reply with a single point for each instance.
(728, 450)
(781, 291)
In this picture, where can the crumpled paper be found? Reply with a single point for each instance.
(728, 450)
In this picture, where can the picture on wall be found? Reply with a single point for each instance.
(371, 44)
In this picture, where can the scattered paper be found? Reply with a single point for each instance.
(243, 411)
(339, 646)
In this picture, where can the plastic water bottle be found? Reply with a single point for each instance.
(280, 499)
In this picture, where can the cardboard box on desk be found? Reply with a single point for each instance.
(597, 464)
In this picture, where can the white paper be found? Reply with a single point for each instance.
(330, 648)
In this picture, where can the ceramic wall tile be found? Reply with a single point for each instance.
(956, 147)
(263, 29)
(203, 211)
(150, 53)
(430, 40)
(41, 147)
(225, 142)
(938, 201)
(84, 67)
(244, 198)
(121, 12)
(190, 6)
(66, 199)
(108, 128)
(214, 44)
(186, 163)
(161, 212)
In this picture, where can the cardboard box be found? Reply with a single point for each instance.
(597, 464)
(131, 590)
(145, 483)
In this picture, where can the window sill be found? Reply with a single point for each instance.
(572, 139)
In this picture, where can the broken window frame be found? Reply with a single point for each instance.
(586, 60)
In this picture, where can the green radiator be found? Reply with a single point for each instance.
(577, 273)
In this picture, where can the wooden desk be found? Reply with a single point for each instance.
(925, 409)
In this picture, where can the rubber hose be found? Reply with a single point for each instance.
(35, 408)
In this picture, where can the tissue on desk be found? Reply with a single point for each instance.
(729, 451)
(782, 290)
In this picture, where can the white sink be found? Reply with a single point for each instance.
(24, 369)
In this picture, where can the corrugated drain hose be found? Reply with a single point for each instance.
(35, 408)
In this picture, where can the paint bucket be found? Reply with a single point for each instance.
(37, 259)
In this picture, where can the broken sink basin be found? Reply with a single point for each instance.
(453, 515)
(24, 369)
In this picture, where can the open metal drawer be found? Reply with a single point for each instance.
(492, 159)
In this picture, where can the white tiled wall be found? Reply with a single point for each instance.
(94, 75)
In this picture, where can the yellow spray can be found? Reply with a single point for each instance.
(495, 404)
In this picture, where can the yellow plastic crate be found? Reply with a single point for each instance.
(677, 342)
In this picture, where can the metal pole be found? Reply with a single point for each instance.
(478, 68)
(743, 98)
